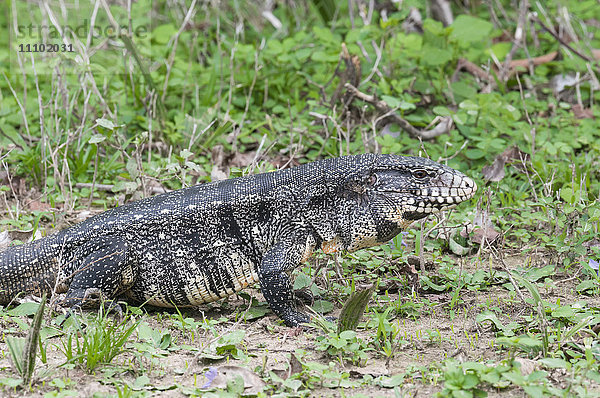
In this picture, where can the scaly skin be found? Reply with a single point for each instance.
(206, 242)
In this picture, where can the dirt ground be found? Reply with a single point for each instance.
(268, 346)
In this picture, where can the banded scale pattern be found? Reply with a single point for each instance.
(206, 242)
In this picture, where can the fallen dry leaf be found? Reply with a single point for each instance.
(36, 205)
(482, 228)
(495, 171)
(488, 233)
(582, 113)
(241, 160)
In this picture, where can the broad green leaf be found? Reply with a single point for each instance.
(433, 56)
(500, 49)
(322, 306)
(563, 312)
(302, 280)
(96, 138)
(392, 102)
(163, 33)
(24, 309)
(467, 29)
(140, 382)
(105, 123)
(555, 363)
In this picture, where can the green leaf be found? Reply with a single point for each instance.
(322, 56)
(474, 154)
(16, 347)
(491, 317)
(534, 391)
(586, 285)
(96, 138)
(132, 168)
(563, 312)
(529, 286)
(10, 382)
(322, 306)
(256, 312)
(500, 49)
(434, 56)
(140, 382)
(555, 363)
(31, 344)
(469, 105)
(165, 341)
(24, 309)
(184, 153)
(470, 381)
(105, 123)
(391, 382)
(536, 274)
(23, 350)
(324, 35)
(467, 29)
(302, 281)
(441, 111)
(163, 33)
(456, 247)
(392, 102)
(463, 90)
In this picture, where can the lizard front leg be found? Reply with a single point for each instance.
(274, 281)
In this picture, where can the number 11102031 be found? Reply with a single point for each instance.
(42, 47)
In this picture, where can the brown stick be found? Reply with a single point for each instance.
(560, 40)
(443, 127)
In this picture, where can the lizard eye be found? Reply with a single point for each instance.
(420, 174)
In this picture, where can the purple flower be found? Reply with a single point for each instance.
(594, 265)
(210, 375)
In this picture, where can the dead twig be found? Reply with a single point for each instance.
(534, 18)
(505, 70)
(472, 69)
(443, 127)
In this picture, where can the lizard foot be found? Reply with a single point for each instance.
(294, 318)
(91, 298)
(304, 296)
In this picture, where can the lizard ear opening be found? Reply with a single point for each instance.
(360, 184)
(372, 179)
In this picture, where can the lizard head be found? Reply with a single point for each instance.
(386, 197)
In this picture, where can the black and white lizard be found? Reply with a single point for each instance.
(206, 242)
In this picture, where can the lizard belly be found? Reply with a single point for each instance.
(187, 278)
(230, 273)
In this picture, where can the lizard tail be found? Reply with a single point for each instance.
(30, 268)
